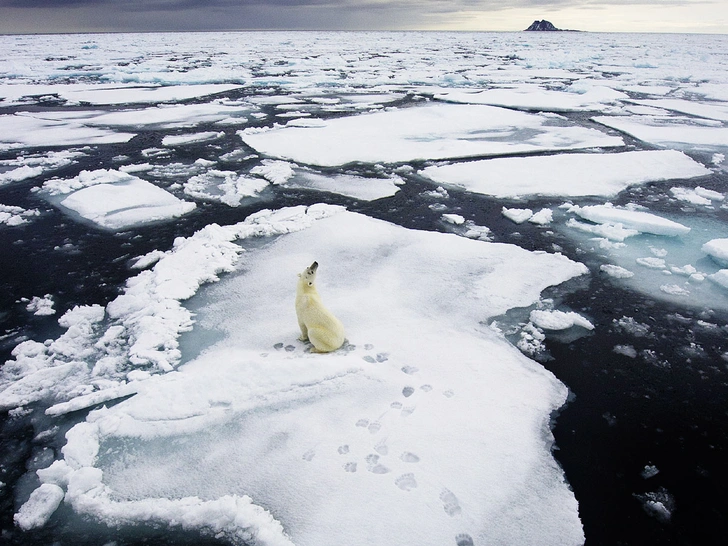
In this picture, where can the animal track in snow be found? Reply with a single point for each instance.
(350, 467)
(448, 393)
(450, 503)
(464, 540)
(409, 370)
(407, 392)
(382, 357)
(407, 411)
(408, 457)
(369, 359)
(310, 454)
(374, 427)
(373, 465)
(406, 482)
(426, 388)
(381, 448)
(363, 423)
(396, 405)
(343, 450)
(379, 469)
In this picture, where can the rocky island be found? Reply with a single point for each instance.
(542, 26)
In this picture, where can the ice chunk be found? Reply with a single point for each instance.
(569, 175)
(436, 131)
(41, 505)
(697, 195)
(357, 187)
(453, 219)
(713, 110)
(115, 200)
(616, 271)
(542, 217)
(132, 93)
(276, 172)
(642, 221)
(718, 250)
(558, 320)
(41, 306)
(532, 97)
(194, 138)
(224, 186)
(517, 215)
(16, 216)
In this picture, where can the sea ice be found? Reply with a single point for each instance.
(195, 138)
(517, 215)
(641, 221)
(16, 216)
(668, 132)
(718, 250)
(224, 186)
(357, 187)
(25, 130)
(250, 421)
(436, 131)
(568, 175)
(533, 97)
(114, 199)
(558, 320)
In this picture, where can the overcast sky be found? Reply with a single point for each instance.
(30, 16)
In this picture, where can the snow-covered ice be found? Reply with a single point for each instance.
(434, 131)
(115, 200)
(567, 175)
(222, 422)
(341, 429)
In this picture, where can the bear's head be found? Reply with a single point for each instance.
(309, 274)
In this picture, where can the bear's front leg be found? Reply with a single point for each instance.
(304, 332)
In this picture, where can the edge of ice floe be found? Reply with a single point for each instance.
(142, 325)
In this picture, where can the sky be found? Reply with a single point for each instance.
(34, 16)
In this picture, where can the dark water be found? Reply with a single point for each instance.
(667, 407)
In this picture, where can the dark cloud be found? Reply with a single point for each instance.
(169, 15)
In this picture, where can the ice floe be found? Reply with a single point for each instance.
(531, 97)
(16, 216)
(114, 199)
(435, 131)
(369, 409)
(567, 175)
(668, 132)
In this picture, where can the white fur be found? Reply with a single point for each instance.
(318, 324)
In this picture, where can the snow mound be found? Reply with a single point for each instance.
(558, 320)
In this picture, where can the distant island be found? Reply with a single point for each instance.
(541, 26)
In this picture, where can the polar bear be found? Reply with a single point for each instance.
(318, 324)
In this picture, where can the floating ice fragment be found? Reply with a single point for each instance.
(558, 320)
(652, 262)
(517, 215)
(616, 271)
(674, 290)
(717, 249)
(720, 278)
(697, 196)
(16, 216)
(41, 505)
(114, 199)
(453, 219)
(41, 306)
(276, 172)
(641, 221)
(195, 138)
(626, 350)
(542, 217)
